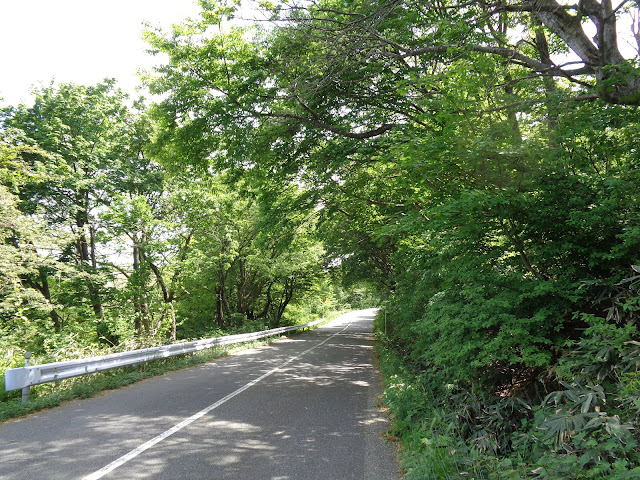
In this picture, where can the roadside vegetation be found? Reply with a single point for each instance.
(475, 166)
(583, 426)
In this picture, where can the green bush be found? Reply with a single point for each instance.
(586, 429)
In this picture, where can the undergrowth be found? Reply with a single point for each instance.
(586, 428)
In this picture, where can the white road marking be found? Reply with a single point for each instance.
(147, 445)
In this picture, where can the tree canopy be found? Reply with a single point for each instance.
(477, 163)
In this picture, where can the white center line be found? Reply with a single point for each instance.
(147, 445)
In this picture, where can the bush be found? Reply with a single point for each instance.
(587, 429)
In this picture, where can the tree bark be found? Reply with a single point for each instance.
(550, 87)
(43, 288)
(219, 306)
(86, 260)
(285, 298)
(141, 307)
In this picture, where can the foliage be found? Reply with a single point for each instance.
(568, 434)
(105, 249)
(459, 171)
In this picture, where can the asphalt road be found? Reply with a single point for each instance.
(303, 408)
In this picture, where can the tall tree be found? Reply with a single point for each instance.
(137, 188)
(85, 130)
(253, 255)
(27, 249)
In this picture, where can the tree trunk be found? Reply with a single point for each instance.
(141, 307)
(46, 293)
(219, 306)
(85, 258)
(43, 288)
(249, 287)
(267, 305)
(617, 81)
(169, 293)
(550, 87)
(511, 113)
(172, 332)
(241, 305)
(136, 305)
(287, 295)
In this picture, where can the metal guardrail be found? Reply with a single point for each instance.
(27, 376)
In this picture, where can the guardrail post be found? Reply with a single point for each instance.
(26, 391)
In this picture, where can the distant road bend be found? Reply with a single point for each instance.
(304, 408)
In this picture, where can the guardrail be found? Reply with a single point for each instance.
(30, 375)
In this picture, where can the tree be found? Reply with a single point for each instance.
(480, 160)
(358, 70)
(27, 252)
(83, 129)
(137, 189)
(253, 254)
(433, 129)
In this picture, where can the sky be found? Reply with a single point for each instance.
(78, 41)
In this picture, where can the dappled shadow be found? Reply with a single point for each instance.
(314, 418)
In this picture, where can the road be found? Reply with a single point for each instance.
(303, 408)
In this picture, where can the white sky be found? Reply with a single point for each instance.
(78, 41)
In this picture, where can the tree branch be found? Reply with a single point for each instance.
(158, 274)
(591, 96)
(338, 131)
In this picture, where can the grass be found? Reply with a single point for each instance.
(427, 444)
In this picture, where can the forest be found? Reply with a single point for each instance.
(471, 167)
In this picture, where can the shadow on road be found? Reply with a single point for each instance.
(316, 418)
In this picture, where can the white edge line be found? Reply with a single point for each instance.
(157, 439)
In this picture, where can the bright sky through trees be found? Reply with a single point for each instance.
(78, 41)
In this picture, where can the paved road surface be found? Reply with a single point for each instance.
(304, 408)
